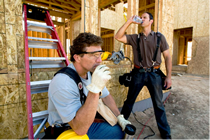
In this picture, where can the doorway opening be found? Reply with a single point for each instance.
(108, 39)
(182, 50)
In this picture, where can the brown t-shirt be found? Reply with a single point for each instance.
(147, 48)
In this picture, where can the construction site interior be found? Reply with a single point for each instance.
(184, 24)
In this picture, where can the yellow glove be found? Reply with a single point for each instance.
(99, 79)
(122, 121)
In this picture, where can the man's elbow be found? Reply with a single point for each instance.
(116, 37)
(80, 132)
(120, 39)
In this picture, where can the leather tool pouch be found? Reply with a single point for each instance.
(106, 113)
(125, 79)
(54, 132)
(163, 76)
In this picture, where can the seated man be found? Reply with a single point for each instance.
(64, 104)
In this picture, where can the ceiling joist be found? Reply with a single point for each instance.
(54, 3)
(68, 8)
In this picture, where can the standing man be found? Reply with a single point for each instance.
(144, 72)
(64, 105)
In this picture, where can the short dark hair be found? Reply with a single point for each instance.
(82, 41)
(150, 15)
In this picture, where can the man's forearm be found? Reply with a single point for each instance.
(109, 101)
(120, 35)
(85, 115)
(168, 65)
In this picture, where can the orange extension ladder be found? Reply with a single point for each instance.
(35, 87)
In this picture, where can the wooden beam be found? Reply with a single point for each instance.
(54, 22)
(58, 23)
(57, 4)
(59, 14)
(106, 3)
(76, 16)
(148, 6)
(107, 35)
(46, 6)
(72, 3)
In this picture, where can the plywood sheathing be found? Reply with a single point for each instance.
(166, 23)
(199, 63)
(13, 115)
(90, 17)
(113, 20)
(195, 14)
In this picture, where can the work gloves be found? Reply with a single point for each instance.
(122, 121)
(99, 79)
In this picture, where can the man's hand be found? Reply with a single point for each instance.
(100, 77)
(122, 121)
(167, 82)
(130, 20)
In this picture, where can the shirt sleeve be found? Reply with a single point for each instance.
(131, 39)
(65, 97)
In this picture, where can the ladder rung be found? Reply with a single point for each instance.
(46, 64)
(45, 39)
(38, 117)
(42, 44)
(39, 86)
(36, 134)
(39, 27)
(47, 58)
(35, 83)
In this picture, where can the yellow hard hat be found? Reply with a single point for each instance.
(105, 55)
(70, 134)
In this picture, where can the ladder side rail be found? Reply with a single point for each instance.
(55, 36)
(27, 75)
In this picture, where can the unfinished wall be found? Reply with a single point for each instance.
(13, 116)
(12, 87)
(195, 14)
(113, 20)
(166, 24)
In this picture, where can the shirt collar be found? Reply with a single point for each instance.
(151, 33)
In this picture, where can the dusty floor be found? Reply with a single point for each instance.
(187, 110)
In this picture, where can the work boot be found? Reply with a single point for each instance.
(168, 137)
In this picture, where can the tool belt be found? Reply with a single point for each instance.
(52, 132)
(145, 69)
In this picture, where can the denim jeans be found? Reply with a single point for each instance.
(105, 131)
(153, 82)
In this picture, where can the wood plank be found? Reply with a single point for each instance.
(107, 3)
(60, 14)
(72, 3)
(54, 22)
(156, 16)
(45, 51)
(46, 6)
(107, 35)
(35, 50)
(76, 16)
(148, 6)
(40, 51)
(57, 4)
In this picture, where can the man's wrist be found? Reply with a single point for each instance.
(92, 88)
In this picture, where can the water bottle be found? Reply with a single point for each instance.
(130, 130)
(137, 19)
